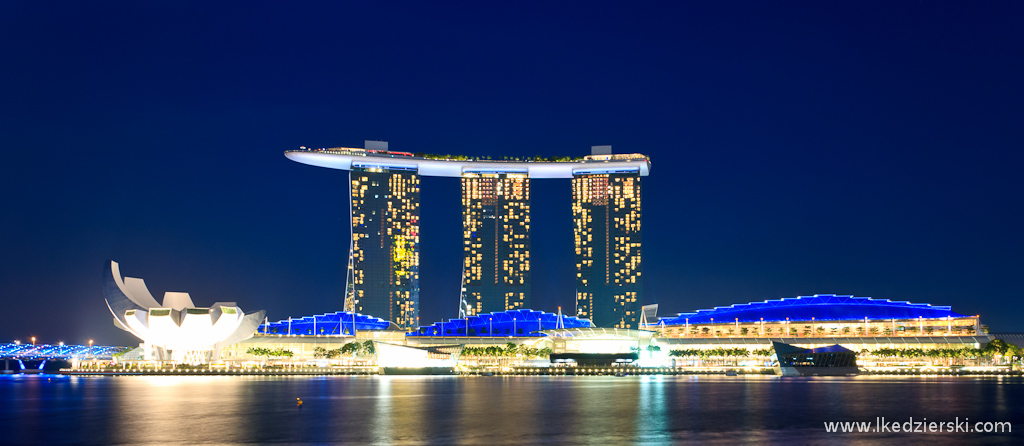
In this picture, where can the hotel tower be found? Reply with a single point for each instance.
(496, 242)
(383, 270)
(606, 215)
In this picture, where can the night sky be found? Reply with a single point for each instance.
(865, 148)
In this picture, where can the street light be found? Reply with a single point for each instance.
(33, 340)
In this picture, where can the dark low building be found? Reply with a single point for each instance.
(833, 360)
(594, 359)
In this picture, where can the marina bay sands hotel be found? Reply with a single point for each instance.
(384, 194)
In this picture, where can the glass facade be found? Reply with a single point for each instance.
(606, 215)
(383, 276)
(496, 242)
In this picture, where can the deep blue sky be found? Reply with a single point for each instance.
(866, 148)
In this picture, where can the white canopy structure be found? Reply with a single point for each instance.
(176, 329)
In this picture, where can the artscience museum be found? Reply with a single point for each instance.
(175, 329)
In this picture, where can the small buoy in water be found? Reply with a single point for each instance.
(298, 402)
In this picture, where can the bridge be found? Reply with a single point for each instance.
(26, 358)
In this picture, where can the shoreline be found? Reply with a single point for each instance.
(525, 371)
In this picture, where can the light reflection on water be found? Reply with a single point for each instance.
(649, 410)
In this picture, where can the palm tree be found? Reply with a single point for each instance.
(260, 352)
(282, 352)
(350, 348)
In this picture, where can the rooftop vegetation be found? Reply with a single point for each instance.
(536, 158)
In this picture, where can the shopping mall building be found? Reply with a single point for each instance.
(857, 323)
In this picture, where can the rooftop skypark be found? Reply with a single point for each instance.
(447, 165)
(450, 157)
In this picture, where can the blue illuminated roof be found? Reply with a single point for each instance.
(503, 323)
(337, 323)
(821, 307)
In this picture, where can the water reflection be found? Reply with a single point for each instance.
(489, 410)
(652, 414)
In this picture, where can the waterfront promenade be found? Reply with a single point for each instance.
(524, 371)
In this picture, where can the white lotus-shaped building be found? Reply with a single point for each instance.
(175, 330)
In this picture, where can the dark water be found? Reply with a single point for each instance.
(494, 410)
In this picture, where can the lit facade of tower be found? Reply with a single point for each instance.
(496, 242)
(606, 216)
(383, 276)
